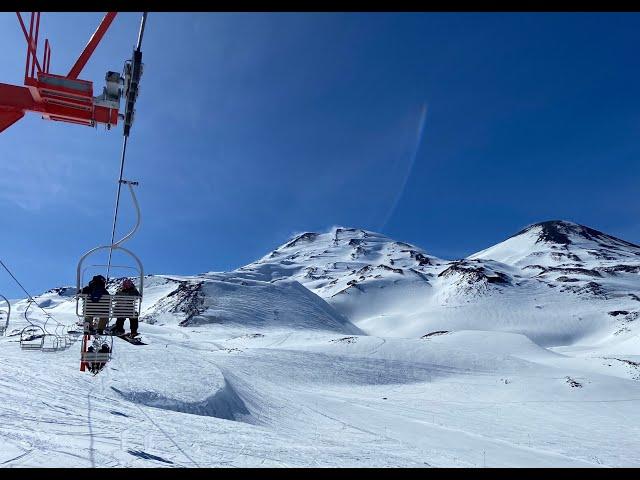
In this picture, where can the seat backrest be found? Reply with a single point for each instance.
(110, 306)
(101, 308)
(125, 306)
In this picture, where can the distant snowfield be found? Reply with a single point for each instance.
(249, 368)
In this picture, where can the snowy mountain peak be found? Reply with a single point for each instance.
(343, 244)
(343, 261)
(306, 237)
(562, 232)
(560, 243)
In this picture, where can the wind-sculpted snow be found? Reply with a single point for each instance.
(232, 300)
(224, 403)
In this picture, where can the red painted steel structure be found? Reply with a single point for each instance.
(56, 97)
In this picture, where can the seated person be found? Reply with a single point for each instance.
(95, 367)
(127, 289)
(96, 288)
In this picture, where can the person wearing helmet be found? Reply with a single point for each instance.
(96, 288)
(126, 288)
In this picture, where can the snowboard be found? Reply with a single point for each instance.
(132, 341)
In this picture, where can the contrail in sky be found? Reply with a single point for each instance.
(414, 154)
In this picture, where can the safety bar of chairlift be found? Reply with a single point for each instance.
(2, 297)
(115, 247)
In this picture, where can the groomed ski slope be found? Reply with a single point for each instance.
(300, 388)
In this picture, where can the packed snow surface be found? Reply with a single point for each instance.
(347, 348)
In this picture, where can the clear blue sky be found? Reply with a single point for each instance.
(450, 131)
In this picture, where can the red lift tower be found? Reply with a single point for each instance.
(64, 98)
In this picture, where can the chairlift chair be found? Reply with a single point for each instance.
(31, 336)
(109, 306)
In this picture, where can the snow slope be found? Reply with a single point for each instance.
(204, 396)
(401, 359)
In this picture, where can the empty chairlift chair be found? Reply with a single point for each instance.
(31, 336)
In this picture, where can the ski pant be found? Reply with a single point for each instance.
(102, 322)
(133, 322)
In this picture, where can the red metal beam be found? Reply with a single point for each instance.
(91, 46)
(16, 98)
(14, 102)
(9, 118)
(47, 56)
(31, 50)
(35, 46)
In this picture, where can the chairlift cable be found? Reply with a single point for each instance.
(22, 287)
(47, 314)
(115, 213)
(131, 93)
(141, 32)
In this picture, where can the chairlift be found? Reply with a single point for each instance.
(31, 336)
(109, 306)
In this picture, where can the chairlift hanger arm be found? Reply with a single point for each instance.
(138, 214)
(111, 247)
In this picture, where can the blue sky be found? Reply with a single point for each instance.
(449, 131)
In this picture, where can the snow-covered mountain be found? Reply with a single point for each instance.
(559, 243)
(554, 281)
(358, 272)
(573, 258)
(375, 281)
(598, 268)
